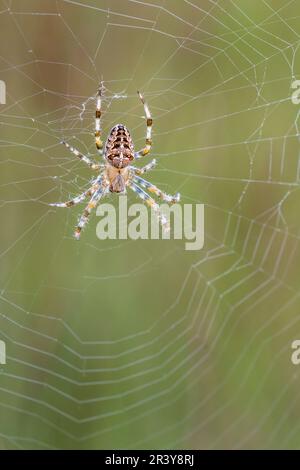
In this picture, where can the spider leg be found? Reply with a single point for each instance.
(147, 148)
(78, 199)
(82, 157)
(151, 203)
(98, 141)
(87, 211)
(153, 189)
(144, 169)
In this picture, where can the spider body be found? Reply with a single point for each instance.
(119, 152)
(116, 173)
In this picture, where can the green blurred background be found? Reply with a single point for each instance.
(141, 344)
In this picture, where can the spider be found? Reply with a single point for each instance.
(117, 173)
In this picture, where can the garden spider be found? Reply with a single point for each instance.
(116, 173)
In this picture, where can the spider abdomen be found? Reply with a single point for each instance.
(119, 149)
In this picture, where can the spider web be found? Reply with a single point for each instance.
(140, 344)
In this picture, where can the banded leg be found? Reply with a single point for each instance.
(151, 203)
(98, 141)
(153, 189)
(144, 169)
(87, 211)
(147, 147)
(84, 158)
(77, 199)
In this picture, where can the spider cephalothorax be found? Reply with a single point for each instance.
(117, 173)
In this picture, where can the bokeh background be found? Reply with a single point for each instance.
(141, 344)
